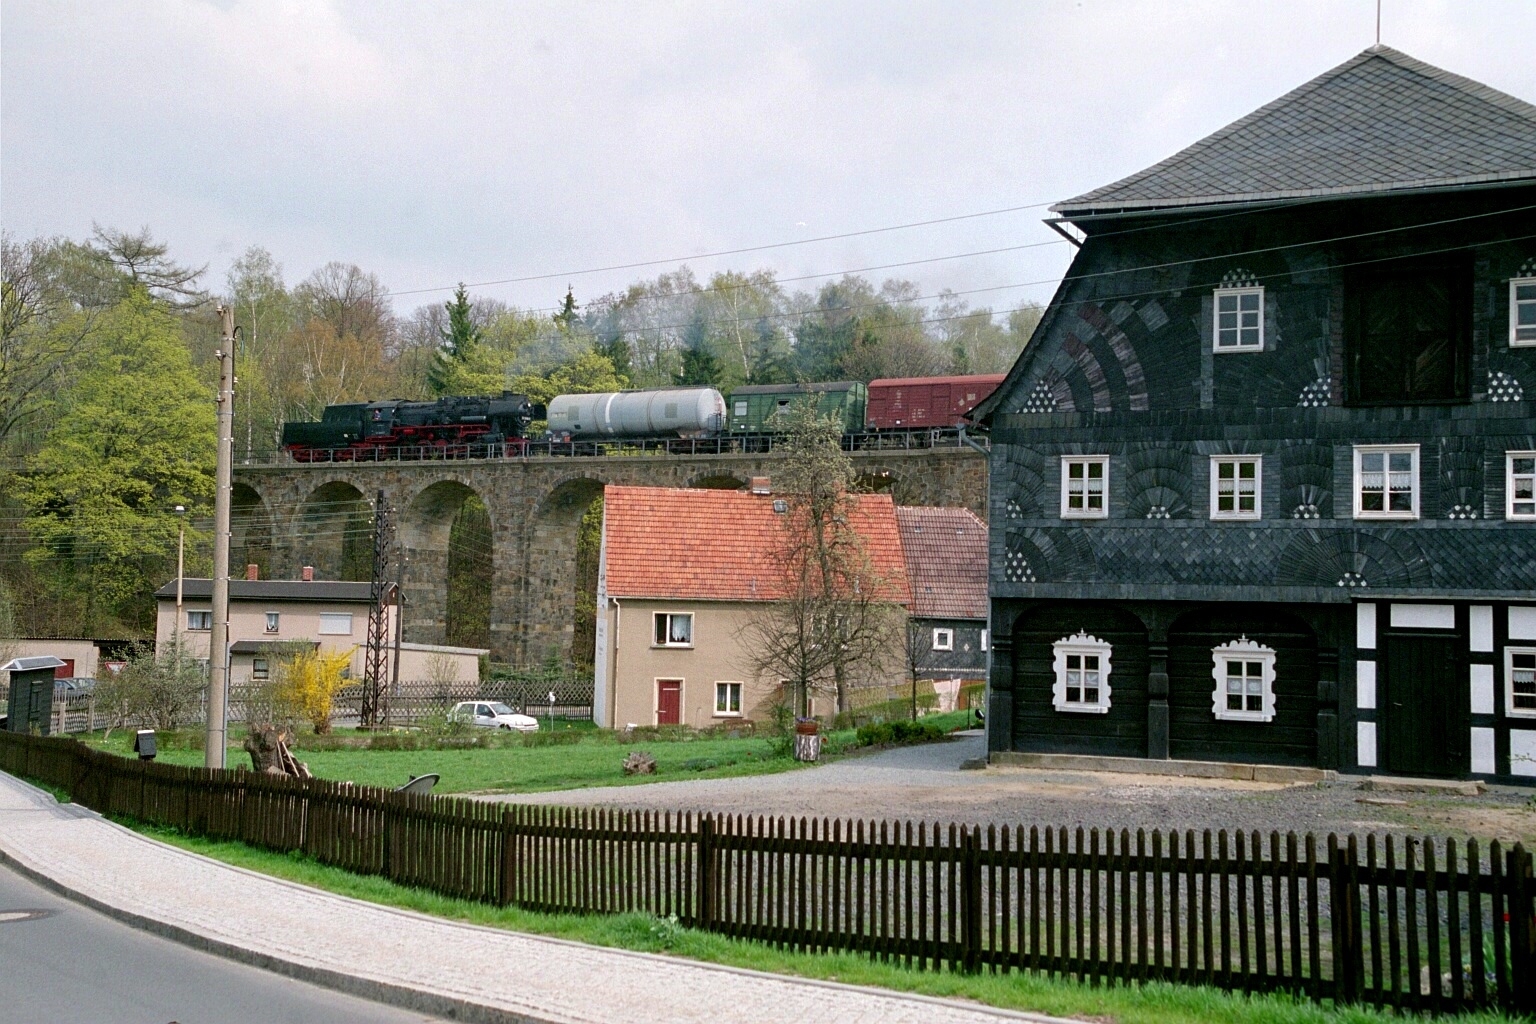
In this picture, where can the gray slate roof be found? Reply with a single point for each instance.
(1378, 122)
(343, 591)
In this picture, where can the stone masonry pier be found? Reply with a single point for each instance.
(295, 515)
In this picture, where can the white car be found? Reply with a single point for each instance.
(492, 715)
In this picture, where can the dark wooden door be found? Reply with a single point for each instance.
(1426, 706)
(669, 702)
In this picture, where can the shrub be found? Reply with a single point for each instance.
(309, 681)
(160, 689)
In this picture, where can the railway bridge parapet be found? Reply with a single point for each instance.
(288, 515)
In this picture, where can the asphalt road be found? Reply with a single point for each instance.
(70, 963)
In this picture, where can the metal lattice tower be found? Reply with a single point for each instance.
(375, 709)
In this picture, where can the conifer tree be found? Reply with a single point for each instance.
(459, 340)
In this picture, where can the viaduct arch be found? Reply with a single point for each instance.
(289, 516)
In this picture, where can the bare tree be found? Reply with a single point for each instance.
(41, 337)
(835, 614)
(918, 653)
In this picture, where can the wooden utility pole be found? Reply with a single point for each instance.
(218, 640)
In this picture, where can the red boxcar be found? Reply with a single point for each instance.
(905, 403)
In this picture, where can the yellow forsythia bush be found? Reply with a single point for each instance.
(309, 683)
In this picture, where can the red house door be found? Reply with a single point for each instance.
(669, 702)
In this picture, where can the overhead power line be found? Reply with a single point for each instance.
(730, 252)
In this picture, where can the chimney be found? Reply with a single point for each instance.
(760, 485)
(252, 571)
(308, 575)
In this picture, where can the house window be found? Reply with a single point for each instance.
(1522, 312)
(199, 620)
(943, 639)
(1387, 482)
(727, 698)
(1520, 485)
(1084, 486)
(1239, 320)
(1407, 331)
(272, 620)
(1236, 482)
(260, 669)
(335, 623)
(985, 639)
(1244, 672)
(673, 630)
(1082, 674)
(1520, 676)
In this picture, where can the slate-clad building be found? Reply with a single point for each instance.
(1262, 481)
(946, 555)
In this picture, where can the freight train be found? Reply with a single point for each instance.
(478, 426)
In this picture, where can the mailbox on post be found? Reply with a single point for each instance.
(144, 744)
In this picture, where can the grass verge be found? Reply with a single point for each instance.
(1153, 1003)
(511, 765)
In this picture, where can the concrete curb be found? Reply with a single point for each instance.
(1149, 766)
(404, 996)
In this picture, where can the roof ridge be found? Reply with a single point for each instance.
(1198, 149)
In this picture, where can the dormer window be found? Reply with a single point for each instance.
(1522, 312)
(1239, 320)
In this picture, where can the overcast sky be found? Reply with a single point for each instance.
(439, 142)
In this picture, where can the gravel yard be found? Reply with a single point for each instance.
(926, 782)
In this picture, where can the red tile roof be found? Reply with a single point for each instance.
(711, 545)
(946, 551)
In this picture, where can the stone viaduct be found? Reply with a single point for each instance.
(291, 513)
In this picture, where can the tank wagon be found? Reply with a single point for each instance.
(662, 412)
(911, 403)
(758, 408)
(359, 430)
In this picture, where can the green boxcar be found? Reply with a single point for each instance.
(756, 408)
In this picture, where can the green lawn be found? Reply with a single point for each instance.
(594, 759)
(1148, 1004)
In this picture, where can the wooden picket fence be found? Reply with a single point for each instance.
(1390, 921)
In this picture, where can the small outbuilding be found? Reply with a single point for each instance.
(31, 693)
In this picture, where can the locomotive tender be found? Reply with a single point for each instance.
(473, 425)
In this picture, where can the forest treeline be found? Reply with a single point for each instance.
(108, 371)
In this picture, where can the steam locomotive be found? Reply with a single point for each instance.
(359, 430)
(476, 426)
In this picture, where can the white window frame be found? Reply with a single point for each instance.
(986, 640)
(203, 615)
(1516, 283)
(1080, 644)
(274, 621)
(1217, 461)
(1510, 476)
(330, 620)
(1067, 462)
(1387, 451)
(947, 643)
(1216, 311)
(666, 618)
(1247, 652)
(1509, 682)
(727, 683)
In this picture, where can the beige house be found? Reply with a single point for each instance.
(683, 576)
(266, 616)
